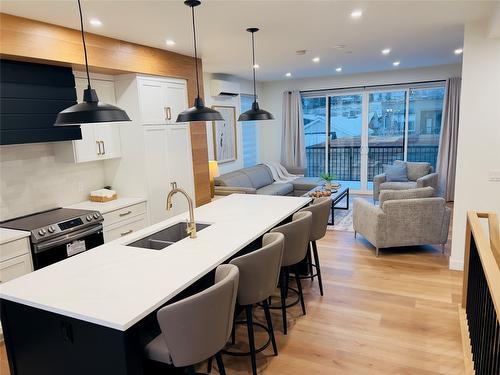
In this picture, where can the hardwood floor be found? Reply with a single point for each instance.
(395, 314)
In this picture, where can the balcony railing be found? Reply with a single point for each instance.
(345, 161)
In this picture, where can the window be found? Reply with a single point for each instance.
(249, 134)
(353, 134)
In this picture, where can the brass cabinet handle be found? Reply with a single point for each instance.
(99, 152)
(125, 213)
(168, 113)
(127, 232)
(103, 148)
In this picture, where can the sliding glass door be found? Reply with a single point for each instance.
(344, 137)
(386, 128)
(353, 134)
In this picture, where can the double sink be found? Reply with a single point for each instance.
(166, 237)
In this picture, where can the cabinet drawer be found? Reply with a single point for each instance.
(126, 227)
(122, 214)
(15, 267)
(14, 248)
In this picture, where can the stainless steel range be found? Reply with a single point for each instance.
(59, 233)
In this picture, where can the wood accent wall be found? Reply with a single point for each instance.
(30, 40)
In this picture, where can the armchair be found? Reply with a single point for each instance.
(420, 175)
(403, 218)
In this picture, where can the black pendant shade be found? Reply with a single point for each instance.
(255, 113)
(90, 110)
(198, 112)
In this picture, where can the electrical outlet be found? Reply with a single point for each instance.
(79, 186)
(494, 175)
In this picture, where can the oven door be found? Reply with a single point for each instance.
(59, 248)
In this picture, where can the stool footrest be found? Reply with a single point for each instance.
(257, 350)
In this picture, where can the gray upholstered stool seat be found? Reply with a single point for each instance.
(297, 234)
(157, 350)
(197, 327)
(259, 272)
(320, 210)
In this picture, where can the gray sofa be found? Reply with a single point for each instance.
(403, 218)
(420, 174)
(259, 180)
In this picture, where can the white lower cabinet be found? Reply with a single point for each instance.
(15, 261)
(125, 227)
(121, 222)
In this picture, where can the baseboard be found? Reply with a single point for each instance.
(464, 329)
(457, 265)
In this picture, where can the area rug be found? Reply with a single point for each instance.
(343, 218)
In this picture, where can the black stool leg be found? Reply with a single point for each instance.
(299, 287)
(233, 334)
(220, 364)
(318, 268)
(270, 326)
(283, 293)
(309, 262)
(251, 340)
(209, 365)
(190, 370)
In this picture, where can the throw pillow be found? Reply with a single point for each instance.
(395, 173)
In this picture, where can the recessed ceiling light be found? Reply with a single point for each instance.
(316, 59)
(386, 51)
(288, 74)
(458, 51)
(170, 42)
(340, 46)
(95, 22)
(356, 13)
(396, 63)
(256, 66)
(338, 69)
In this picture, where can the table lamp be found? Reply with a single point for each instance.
(213, 170)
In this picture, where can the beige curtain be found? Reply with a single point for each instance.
(447, 156)
(293, 149)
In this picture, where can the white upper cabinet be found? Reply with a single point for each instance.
(161, 100)
(99, 141)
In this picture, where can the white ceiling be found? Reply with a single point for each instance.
(419, 33)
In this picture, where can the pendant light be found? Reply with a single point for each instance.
(255, 113)
(90, 110)
(199, 112)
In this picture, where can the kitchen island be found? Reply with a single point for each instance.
(84, 315)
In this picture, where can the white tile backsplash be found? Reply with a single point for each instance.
(32, 180)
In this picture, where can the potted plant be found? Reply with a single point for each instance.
(327, 178)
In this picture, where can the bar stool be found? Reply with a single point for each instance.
(197, 327)
(320, 209)
(259, 272)
(297, 234)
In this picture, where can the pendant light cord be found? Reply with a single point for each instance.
(253, 67)
(84, 45)
(195, 53)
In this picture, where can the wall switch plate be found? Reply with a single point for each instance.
(494, 175)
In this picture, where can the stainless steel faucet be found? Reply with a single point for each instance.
(191, 226)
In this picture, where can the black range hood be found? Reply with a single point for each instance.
(31, 96)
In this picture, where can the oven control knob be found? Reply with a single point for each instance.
(51, 229)
(89, 217)
(42, 232)
(96, 215)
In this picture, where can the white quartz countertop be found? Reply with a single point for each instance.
(106, 207)
(114, 285)
(8, 235)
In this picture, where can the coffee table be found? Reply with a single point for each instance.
(336, 197)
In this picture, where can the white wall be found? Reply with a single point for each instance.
(479, 133)
(32, 180)
(246, 87)
(270, 131)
